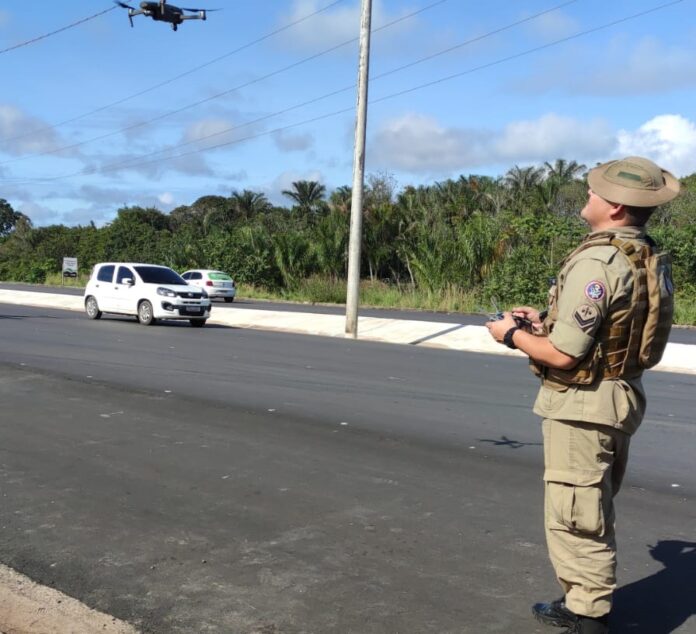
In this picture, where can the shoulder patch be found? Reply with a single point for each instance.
(586, 316)
(595, 290)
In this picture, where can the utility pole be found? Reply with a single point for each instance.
(356, 210)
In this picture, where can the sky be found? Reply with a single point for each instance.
(261, 94)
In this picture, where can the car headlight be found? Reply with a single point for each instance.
(167, 292)
(204, 294)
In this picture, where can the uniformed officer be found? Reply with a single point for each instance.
(608, 319)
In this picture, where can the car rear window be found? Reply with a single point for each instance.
(220, 277)
(159, 275)
(106, 273)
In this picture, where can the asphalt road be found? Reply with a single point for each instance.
(223, 480)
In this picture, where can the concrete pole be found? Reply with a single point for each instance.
(356, 210)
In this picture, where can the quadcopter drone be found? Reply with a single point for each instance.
(163, 12)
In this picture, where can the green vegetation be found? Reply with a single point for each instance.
(451, 246)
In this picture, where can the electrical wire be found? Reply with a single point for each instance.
(116, 166)
(352, 86)
(421, 86)
(65, 28)
(180, 75)
(316, 99)
(227, 92)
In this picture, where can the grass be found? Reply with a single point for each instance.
(320, 290)
(685, 309)
(323, 290)
(55, 279)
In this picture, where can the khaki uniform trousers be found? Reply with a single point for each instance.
(584, 466)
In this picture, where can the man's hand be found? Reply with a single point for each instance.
(531, 314)
(501, 326)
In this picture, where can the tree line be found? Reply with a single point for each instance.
(493, 237)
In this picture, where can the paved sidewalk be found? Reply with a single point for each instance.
(466, 338)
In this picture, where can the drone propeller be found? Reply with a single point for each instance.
(197, 10)
(131, 10)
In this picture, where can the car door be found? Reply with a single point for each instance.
(104, 288)
(126, 294)
(195, 279)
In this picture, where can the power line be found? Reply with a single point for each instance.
(536, 49)
(180, 75)
(332, 93)
(226, 92)
(65, 28)
(379, 100)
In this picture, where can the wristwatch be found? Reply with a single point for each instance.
(507, 338)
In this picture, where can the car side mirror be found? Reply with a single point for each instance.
(128, 281)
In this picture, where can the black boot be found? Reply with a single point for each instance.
(588, 625)
(555, 613)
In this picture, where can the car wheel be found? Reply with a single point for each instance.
(197, 323)
(145, 313)
(229, 300)
(92, 308)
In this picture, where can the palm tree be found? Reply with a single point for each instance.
(340, 199)
(293, 257)
(308, 197)
(561, 180)
(492, 196)
(522, 179)
(564, 171)
(330, 244)
(248, 204)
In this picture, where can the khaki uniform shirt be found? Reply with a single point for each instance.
(592, 282)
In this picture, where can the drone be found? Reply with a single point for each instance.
(163, 12)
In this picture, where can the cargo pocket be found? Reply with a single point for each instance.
(577, 509)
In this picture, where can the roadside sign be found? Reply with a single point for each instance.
(69, 267)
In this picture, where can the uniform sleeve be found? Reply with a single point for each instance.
(583, 304)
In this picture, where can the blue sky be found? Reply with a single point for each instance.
(493, 101)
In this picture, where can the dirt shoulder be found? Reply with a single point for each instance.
(29, 608)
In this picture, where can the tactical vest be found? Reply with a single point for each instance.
(631, 338)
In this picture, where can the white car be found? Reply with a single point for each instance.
(216, 283)
(146, 291)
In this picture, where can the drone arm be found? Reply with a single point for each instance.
(200, 15)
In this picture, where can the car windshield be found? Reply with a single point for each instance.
(159, 275)
(219, 276)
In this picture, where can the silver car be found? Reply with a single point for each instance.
(215, 283)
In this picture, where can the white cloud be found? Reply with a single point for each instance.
(216, 128)
(154, 168)
(166, 198)
(22, 134)
(84, 215)
(552, 136)
(668, 139)
(38, 214)
(287, 142)
(419, 144)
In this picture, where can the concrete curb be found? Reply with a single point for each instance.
(678, 357)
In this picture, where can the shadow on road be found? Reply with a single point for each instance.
(504, 441)
(659, 604)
